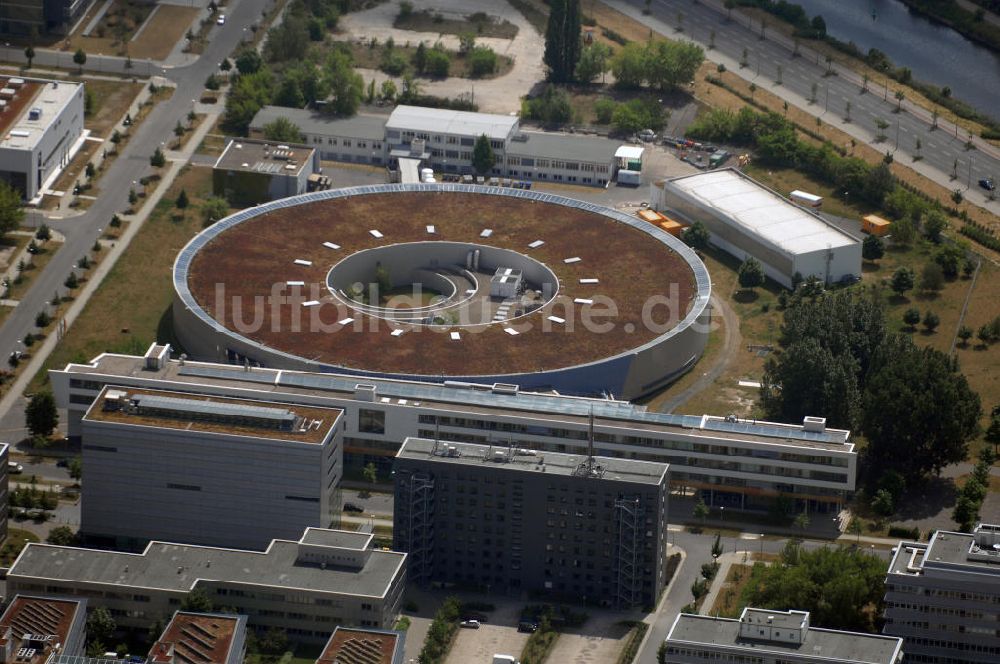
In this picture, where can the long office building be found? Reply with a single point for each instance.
(943, 597)
(207, 470)
(513, 520)
(305, 587)
(444, 140)
(766, 636)
(736, 464)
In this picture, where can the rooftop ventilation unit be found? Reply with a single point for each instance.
(35, 114)
(363, 392)
(815, 424)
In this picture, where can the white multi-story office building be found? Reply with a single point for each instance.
(306, 587)
(943, 597)
(207, 470)
(41, 123)
(732, 463)
(764, 636)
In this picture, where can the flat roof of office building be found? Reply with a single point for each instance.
(17, 129)
(500, 458)
(371, 127)
(179, 568)
(467, 398)
(446, 121)
(353, 645)
(976, 552)
(563, 147)
(197, 638)
(42, 617)
(822, 644)
(266, 157)
(209, 414)
(762, 211)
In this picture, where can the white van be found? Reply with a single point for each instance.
(14, 467)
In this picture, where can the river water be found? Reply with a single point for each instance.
(936, 54)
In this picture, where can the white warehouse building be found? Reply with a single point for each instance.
(41, 127)
(746, 218)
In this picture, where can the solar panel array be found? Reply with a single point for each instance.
(535, 402)
(213, 408)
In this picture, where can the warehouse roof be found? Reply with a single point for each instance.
(762, 211)
(444, 121)
(370, 127)
(562, 146)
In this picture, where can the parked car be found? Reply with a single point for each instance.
(351, 507)
(469, 624)
(221, 20)
(14, 467)
(987, 184)
(527, 626)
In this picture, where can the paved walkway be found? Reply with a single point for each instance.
(725, 561)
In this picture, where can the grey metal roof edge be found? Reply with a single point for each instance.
(181, 264)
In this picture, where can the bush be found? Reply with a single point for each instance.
(438, 63)
(482, 61)
(441, 632)
(604, 109)
(212, 82)
(393, 63)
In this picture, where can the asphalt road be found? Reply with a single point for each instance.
(940, 148)
(131, 164)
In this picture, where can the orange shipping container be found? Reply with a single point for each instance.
(875, 225)
(652, 216)
(672, 227)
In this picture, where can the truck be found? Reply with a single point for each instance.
(631, 178)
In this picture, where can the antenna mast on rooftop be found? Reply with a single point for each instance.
(590, 467)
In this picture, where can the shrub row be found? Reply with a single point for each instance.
(912, 534)
(441, 632)
(981, 235)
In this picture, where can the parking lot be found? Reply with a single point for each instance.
(498, 635)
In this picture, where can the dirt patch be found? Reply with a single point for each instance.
(368, 56)
(479, 24)
(112, 100)
(164, 30)
(632, 268)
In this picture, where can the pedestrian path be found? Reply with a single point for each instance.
(725, 561)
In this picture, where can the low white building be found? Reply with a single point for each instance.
(746, 218)
(357, 140)
(41, 124)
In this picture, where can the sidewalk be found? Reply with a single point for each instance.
(725, 561)
(38, 357)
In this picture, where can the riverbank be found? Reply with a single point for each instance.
(970, 24)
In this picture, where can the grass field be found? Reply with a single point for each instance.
(112, 100)
(164, 30)
(16, 539)
(727, 603)
(144, 268)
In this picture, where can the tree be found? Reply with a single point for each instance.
(284, 130)
(801, 522)
(855, 528)
(926, 412)
(75, 468)
(346, 85)
(931, 277)
(900, 96)
(248, 61)
(483, 158)
(80, 58)
(226, 65)
(717, 546)
(101, 625)
(41, 415)
(482, 61)
(993, 429)
(370, 472)
(902, 280)
(29, 54)
(883, 503)
(751, 274)
(964, 334)
(562, 40)
(71, 281)
(62, 536)
(701, 510)
(671, 65)
(213, 209)
(388, 90)
(595, 60)
(931, 321)
(903, 232)
(949, 258)
(911, 317)
(696, 235)
(198, 601)
(158, 159)
(841, 588)
(182, 200)
(934, 224)
(873, 248)
(420, 58)
(11, 212)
